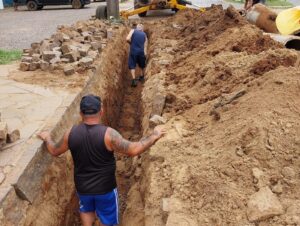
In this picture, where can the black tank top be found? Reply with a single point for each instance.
(94, 165)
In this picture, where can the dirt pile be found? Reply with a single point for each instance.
(231, 100)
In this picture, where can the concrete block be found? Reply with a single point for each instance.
(67, 48)
(66, 38)
(72, 56)
(85, 34)
(57, 49)
(36, 57)
(55, 60)
(64, 60)
(3, 130)
(69, 70)
(61, 37)
(263, 205)
(96, 46)
(13, 136)
(45, 46)
(157, 120)
(84, 49)
(79, 39)
(35, 45)
(24, 66)
(97, 37)
(86, 62)
(93, 54)
(48, 55)
(27, 59)
(34, 66)
(44, 65)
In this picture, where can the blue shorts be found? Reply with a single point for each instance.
(139, 59)
(105, 206)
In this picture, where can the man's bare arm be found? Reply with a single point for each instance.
(128, 38)
(115, 142)
(58, 148)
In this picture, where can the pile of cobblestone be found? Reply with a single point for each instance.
(71, 49)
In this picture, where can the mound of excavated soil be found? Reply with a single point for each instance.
(231, 155)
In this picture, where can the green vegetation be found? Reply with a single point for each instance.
(271, 3)
(8, 56)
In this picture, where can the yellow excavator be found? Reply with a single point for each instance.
(141, 7)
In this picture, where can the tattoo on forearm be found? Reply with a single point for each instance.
(59, 143)
(118, 142)
(147, 141)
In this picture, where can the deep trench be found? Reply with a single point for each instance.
(129, 125)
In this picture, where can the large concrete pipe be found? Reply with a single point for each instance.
(290, 41)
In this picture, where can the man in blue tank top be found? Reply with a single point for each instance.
(92, 146)
(138, 51)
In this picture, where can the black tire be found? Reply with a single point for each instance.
(139, 4)
(82, 6)
(32, 5)
(101, 12)
(143, 14)
(76, 4)
(40, 7)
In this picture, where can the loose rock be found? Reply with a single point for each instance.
(263, 205)
(13, 136)
(48, 55)
(69, 70)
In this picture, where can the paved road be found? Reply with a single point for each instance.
(19, 29)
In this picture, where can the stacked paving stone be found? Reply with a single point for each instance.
(72, 49)
(7, 136)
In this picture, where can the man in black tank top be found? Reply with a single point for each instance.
(92, 146)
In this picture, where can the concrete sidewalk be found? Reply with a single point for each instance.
(28, 108)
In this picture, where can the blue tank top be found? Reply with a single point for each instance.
(138, 39)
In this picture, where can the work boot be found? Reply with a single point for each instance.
(134, 83)
(142, 78)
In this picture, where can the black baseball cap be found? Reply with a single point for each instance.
(90, 104)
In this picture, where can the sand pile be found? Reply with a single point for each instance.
(231, 155)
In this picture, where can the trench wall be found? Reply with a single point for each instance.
(44, 189)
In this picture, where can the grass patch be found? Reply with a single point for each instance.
(9, 56)
(271, 3)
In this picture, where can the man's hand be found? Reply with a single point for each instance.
(55, 148)
(159, 131)
(44, 135)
